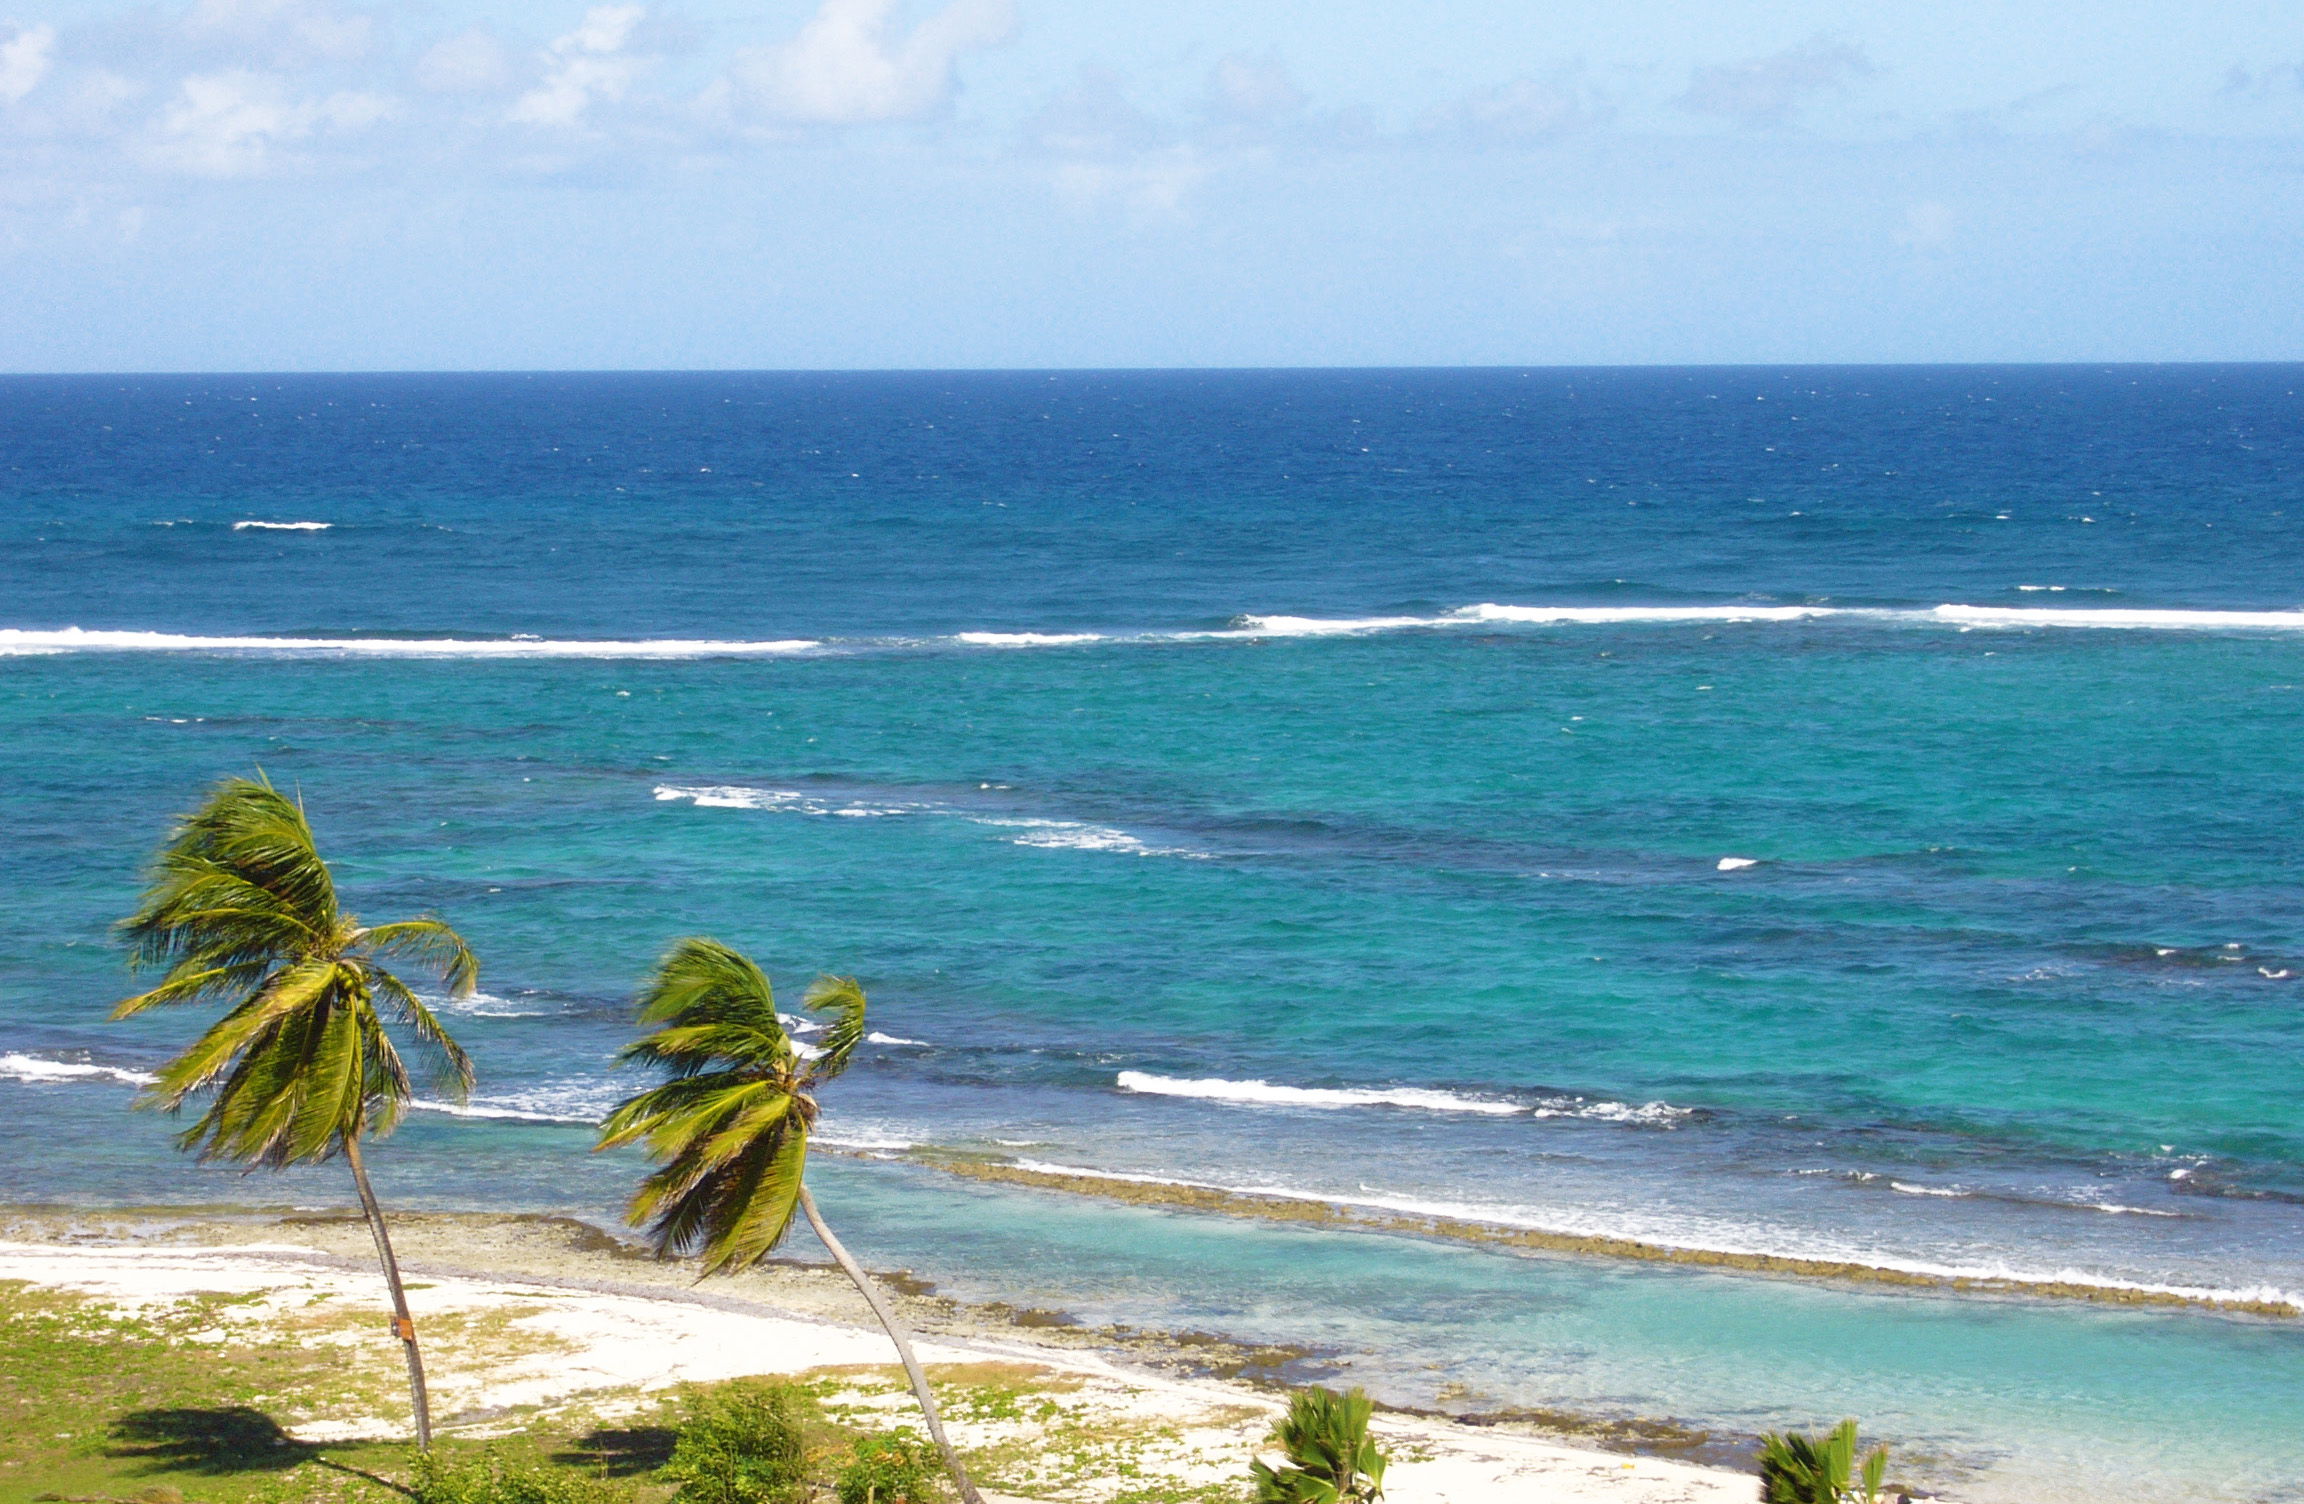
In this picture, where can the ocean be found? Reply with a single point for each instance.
(1823, 816)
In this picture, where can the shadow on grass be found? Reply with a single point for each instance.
(219, 1442)
(625, 1453)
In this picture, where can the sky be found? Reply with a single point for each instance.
(451, 184)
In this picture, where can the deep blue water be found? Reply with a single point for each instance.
(1161, 747)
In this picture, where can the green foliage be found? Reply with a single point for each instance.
(729, 1130)
(742, 1443)
(492, 1479)
(1797, 1469)
(1330, 1457)
(895, 1469)
(241, 910)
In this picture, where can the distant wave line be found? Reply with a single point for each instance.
(1512, 1226)
(21, 641)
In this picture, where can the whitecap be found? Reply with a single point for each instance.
(1489, 611)
(1074, 835)
(1910, 1189)
(39, 1071)
(283, 527)
(1264, 1094)
(1735, 863)
(2009, 616)
(1646, 1114)
(1317, 626)
(877, 1037)
(1025, 639)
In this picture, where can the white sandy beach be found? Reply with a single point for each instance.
(560, 1337)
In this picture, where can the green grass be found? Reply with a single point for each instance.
(195, 1402)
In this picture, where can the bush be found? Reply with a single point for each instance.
(1796, 1469)
(490, 1479)
(1331, 1459)
(740, 1444)
(898, 1469)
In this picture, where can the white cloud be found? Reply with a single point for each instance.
(588, 64)
(228, 124)
(470, 62)
(849, 67)
(1764, 91)
(287, 30)
(25, 59)
(1527, 110)
(1153, 185)
(1252, 89)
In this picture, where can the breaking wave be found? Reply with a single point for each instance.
(1264, 1094)
(38, 1071)
(1054, 835)
(1489, 614)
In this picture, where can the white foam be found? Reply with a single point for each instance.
(1907, 1188)
(1025, 639)
(1646, 1114)
(1759, 1243)
(1264, 1094)
(877, 1037)
(283, 527)
(37, 1071)
(1074, 835)
(1488, 611)
(1316, 626)
(1735, 863)
(788, 801)
(1069, 835)
(15, 641)
(2014, 616)
(484, 1005)
(485, 1109)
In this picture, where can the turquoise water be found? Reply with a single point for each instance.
(1203, 795)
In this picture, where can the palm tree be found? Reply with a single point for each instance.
(242, 910)
(730, 1129)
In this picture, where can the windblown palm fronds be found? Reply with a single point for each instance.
(1329, 1457)
(1797, 1469)
(729, 1128)
(241, 910)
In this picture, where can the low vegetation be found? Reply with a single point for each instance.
(1797, 1469)
(1328, 1457)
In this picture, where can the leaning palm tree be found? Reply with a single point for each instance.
(730, 1129)
(241, 910)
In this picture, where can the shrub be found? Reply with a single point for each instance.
(490, 1479)
(1797, 1469)
(1330, 1458)
(740, 1444)
(897, 1469)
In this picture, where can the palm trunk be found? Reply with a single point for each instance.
(403, 1326)
(903, 1341)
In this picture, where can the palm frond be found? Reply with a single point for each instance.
(281, 996)
(844, 999)
(245, 830)
(189, 984)
(729, 1129)
(702, 985)
(433, 943)
(448, 1066)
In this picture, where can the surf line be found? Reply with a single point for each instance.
(1345, 1216)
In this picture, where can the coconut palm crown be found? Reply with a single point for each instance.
(730, 1128)
(242, 910)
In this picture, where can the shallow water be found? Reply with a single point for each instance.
(1557, 798)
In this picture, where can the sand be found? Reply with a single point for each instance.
(525, 1317)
